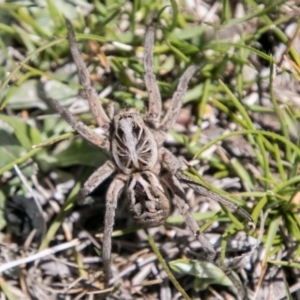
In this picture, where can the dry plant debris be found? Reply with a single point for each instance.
(238, 129)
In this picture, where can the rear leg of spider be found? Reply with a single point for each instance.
(174, 166)
(179, 195)
(114, 191)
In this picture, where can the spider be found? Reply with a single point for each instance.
(143, 169)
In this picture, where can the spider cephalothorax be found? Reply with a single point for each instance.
(133, 145)
(143, 169)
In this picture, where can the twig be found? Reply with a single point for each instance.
(44, 253)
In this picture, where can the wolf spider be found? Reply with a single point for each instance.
(143, 169)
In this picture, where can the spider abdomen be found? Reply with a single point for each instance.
(133, 145)
(149, 204)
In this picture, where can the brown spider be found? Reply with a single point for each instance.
(143, 168)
